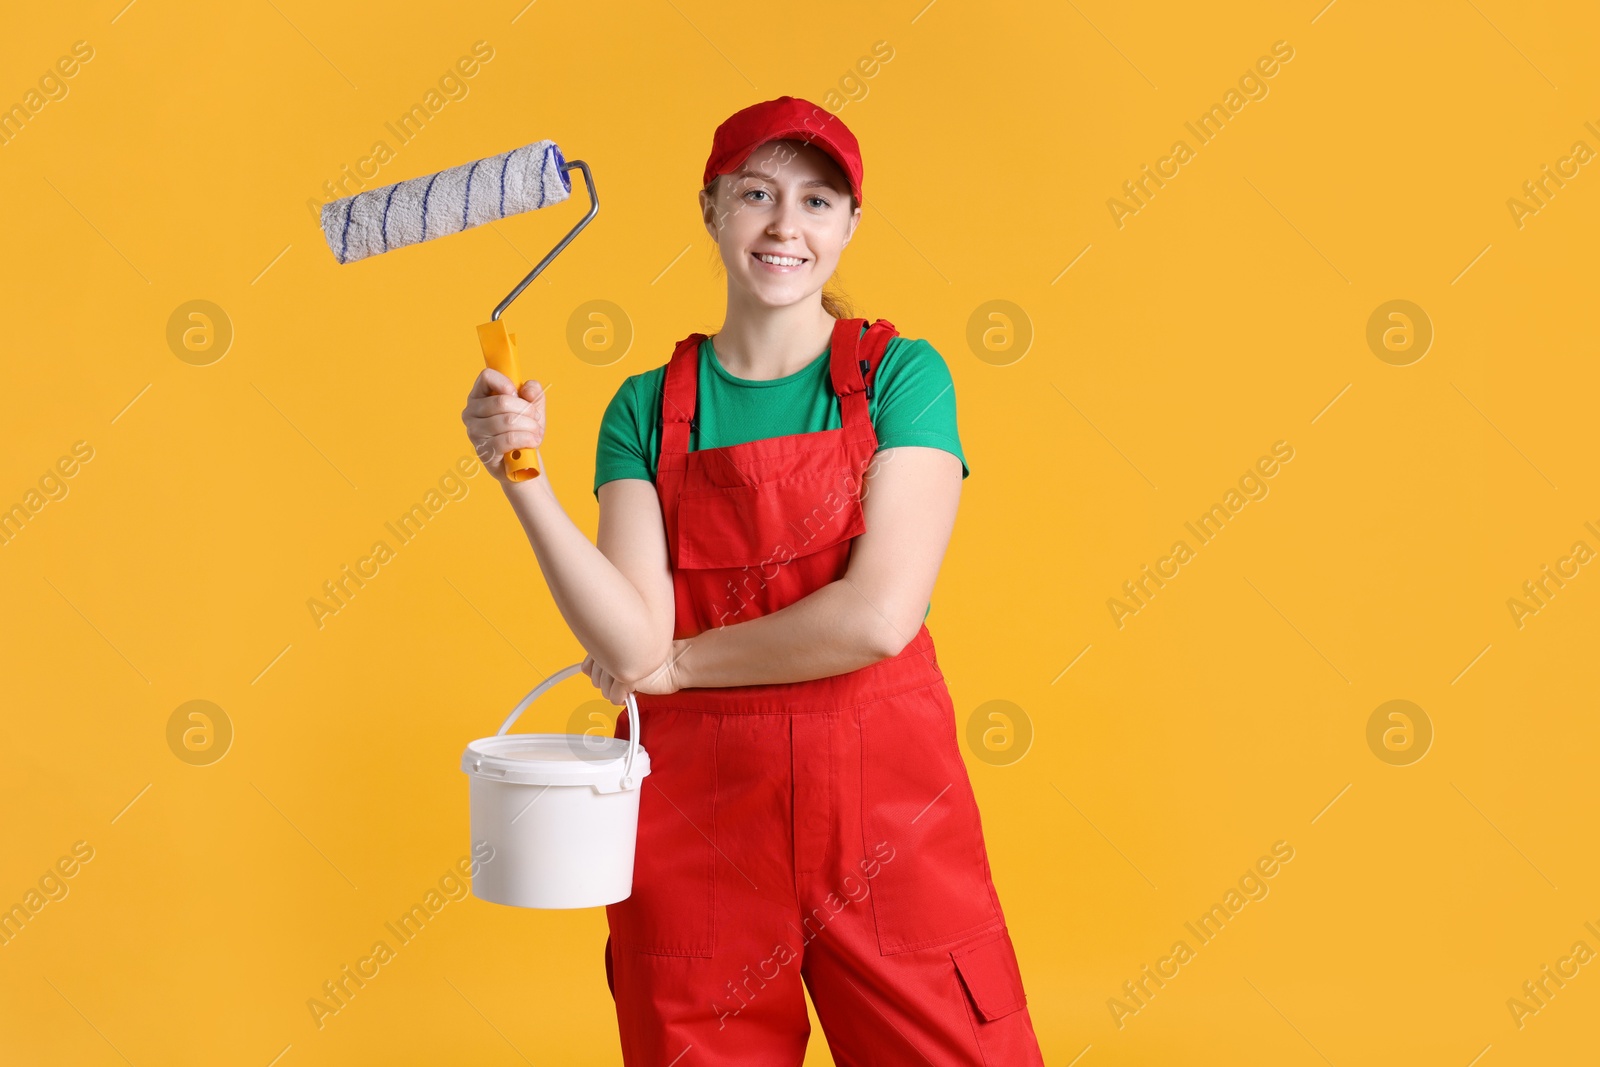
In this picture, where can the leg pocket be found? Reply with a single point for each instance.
(670, 911)
(917, 809)
(991, 982)
(991, 977)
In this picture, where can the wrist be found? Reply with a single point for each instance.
(530, 489)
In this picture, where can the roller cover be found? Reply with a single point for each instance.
(450, 201)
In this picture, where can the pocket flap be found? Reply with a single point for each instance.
(990, 973)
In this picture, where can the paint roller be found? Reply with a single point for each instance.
(421, 209)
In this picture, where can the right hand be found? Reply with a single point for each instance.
(500, 418)
(609, 685)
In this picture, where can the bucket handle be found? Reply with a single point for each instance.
(561, 675)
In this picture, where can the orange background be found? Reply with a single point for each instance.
(1132, 377)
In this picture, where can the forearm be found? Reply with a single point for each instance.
(833, 630)
(598, 602)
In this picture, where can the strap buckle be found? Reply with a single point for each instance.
(865, 366)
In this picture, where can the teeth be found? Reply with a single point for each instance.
(780, 261)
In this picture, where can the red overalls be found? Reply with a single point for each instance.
(822, 830)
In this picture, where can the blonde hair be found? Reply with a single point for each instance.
(834, 300)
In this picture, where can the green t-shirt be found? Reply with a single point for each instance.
(913, 403)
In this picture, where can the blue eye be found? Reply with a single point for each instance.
(823, 200)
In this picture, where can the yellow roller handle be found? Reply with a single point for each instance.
(500, 353)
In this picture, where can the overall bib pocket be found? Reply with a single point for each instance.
(751, 526)
(915, 795)
(671, 909)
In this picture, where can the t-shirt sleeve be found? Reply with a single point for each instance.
(915, 400)
(620, 447)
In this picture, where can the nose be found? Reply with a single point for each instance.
(785, 223)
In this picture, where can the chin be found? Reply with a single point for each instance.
(780, 298)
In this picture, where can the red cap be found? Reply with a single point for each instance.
(785, 117)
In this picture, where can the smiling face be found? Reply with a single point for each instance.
(781, 220)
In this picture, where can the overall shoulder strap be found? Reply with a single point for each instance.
(678, 391)
(856, 355)
(843, 370)
(873, 345)
(855, 362)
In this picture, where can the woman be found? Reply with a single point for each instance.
(774, 505)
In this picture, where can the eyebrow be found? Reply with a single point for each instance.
(823, 182)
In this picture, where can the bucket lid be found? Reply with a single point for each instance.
(553, 759)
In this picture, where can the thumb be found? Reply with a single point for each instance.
(499, 381)
(531, 390)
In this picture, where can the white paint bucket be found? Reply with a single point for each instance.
(561, 812)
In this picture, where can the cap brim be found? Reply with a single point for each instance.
(810, 137)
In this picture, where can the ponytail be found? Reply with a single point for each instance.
(836, 304)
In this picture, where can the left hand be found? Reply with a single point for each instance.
(667, 678)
